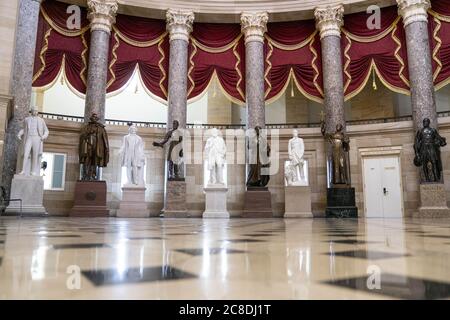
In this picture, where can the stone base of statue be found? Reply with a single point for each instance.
(341, 203)
(90, 199)
(133, 203)
(175, 202)
(258, 203)
(433, 201)
(297, 201)
(29, 189)
(216, 201)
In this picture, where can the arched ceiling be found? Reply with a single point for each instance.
(229, 10)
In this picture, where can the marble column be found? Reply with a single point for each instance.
(179, 26)
(253, 27)
(329, 21)
(102, 16)
(414, 14)
(22, 75)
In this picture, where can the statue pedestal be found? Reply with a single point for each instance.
(216, 201)
(341, 203)
(175, 202)
(90, 199)
(297, 201)
(258, 203)
(30, 189)
(433, 201)
(133, 203)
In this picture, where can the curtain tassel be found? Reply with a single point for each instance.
(374, 83)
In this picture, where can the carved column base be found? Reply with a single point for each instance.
(258, 203)
(175, 204)
(133, 203)
(341, 203)
(90, 199)
(433, 202)
(297, 201)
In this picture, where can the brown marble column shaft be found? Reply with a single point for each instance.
(329, 21)
(22, 75)
(179, 25)
(414, 14)
(253, 26)
(102, 16)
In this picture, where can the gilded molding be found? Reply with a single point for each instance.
(102, 14)
(179, 24)
(329, 20)
(254, 26)
(413, 10)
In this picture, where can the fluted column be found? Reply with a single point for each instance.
(22, 75)
(102, 15)
(414, 14)
(179, 26)
(253, 26)
(329, 21)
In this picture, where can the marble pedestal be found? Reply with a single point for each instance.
(90, 199)
(133, 203)
(433, 201)
(341, 203)
(258, 203)
(297, 201)
(216, 201)
(175, 203)
(30, 189)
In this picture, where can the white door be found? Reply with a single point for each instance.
(382, 187)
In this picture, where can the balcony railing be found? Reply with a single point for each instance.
(143, 124)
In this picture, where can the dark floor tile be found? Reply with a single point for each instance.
(135, 275)
(437, 236)
(243, 240)
(200, 252)
(80, 246)
(342, 234)
(399, 287)
(257, 235)
(181, 234)
(370, 255)
(145, 238)
(2, 241)
(61, 236)
(1, 261)
(349, 241)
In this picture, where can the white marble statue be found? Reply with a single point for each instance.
(132, 157)
(34, 133)
(215, 151)
(294, 171)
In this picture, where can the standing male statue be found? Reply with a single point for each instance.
(215, 151)
(34, 132)
(296, 150)
(427, 152)
(93, 148)
(258, 160)
(132, 156)
(174, 154)
(340, 145)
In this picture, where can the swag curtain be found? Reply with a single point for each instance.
(292, 54)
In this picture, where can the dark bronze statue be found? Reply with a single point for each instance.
(258, 160)
(93, 148)
(427, 153)
(340, 145)
(175, 151)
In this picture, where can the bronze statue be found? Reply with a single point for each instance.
(258, 160)
(427, 152)
(93, 148)
(340, 145)
(175, 151)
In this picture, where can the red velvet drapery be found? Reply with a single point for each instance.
(292, 54)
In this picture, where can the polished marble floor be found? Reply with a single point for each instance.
(70, 258)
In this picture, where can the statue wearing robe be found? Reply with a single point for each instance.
(258, 160)
(340, 145)
(215, 151)
(132, 157)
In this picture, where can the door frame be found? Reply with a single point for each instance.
(378, 152)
